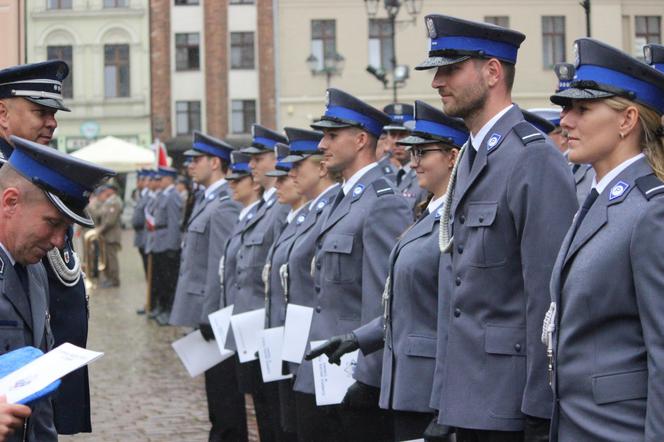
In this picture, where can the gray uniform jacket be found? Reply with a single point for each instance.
(509, 215)
(352, 253)
(277, 292)
(167, 212)
(409, 345)
(23, 323)
(411, 190)
(138, 220)
(608, 283)
(150, 207)
(209, 227)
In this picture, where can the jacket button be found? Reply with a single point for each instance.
(318, 265)
(517, 347)
(457, 281)
(481, 219)
(457, 312)
(317, 289)
(318, 309)
(460, 249)
(462, 219)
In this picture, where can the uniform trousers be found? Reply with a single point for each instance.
(469, 435)
(288, 417)
(226, 406)
(144, 258)
(112, 270)
(410, 425)
(367, 423)
(317, 424)
(165, 269)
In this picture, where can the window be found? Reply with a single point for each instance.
(116, 71)
(187, 116)
(116, 3)
(381, 45)
(553, 41)
(648, 29)
(243, 116)
(63, 53)
(242, 2)
(498, 20)
(187, 52)
(58, 4)
(242, 50)
(186, 2)
(323, 40)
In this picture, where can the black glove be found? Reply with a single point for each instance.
(361, 396)
(335, 348)
(536, 429)
(436, 432)
(206, 331)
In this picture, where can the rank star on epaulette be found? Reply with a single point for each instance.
(618, 190)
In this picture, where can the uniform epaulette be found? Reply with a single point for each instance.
(528, 133)
(650, 185)
(382, 187)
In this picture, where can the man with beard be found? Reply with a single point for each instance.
(509, 204)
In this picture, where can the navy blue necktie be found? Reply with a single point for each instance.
(587, 204)
(472, 153)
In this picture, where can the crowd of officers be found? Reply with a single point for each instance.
(449, 248)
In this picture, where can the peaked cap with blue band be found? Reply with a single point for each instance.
(40, 83)
(452, 40)
(399, 115)
(552, 115)
(239, 165)
(302, 144)
(541, 123)
(344, 110)
(281, 168)
(565, 73)
(167, 171)
(654, 56)
(263, 140)
(433, 126)
(67, 181)
(207, 145)
(603, 71)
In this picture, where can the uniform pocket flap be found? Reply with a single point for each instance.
(481, 214)
(421, 346)
(254, 240)
(505, 340)
(338, 243)
(617, 387)
(196, 289)
(197, 227)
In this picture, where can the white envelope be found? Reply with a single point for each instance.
(220, 321)
(330, 380)
(247, 331)
(197, 354)
(269, 353)
(298, 323)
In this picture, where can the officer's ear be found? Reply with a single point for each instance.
(628, 121)
(10, 198)
(493, 72)
(4, 115)
(454, 154)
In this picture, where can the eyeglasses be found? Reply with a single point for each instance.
(417, 154)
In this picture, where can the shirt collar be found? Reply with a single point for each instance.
(247, 209)
(9, 255)
(145, 191)
(478, 138)
(214, 186)
(315, 200)
(168, 189)
(293, 213)
(348, 185)
(614, 173)
(434, 204)
(268, 193)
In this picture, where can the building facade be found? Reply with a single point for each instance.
(12, 23)
(321, 29)
(212, 69)
(106, 44)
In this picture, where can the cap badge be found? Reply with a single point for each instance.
(327, 99)
(577, 58)
(618, 190)
(398, 109)
(357, 191)
(431, 28)
(647, 54)
(493, 140)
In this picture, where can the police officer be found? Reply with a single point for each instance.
(167, 216)
(258, 234)
(607, 328)
(401, 116)
(42, 193)
(208, 228)
(407, 329)
(138, 216)
(509, 182)
(30, 97)
(352, 250)
(110, 232)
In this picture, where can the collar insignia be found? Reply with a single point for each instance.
(357, 191)
(618, 190)
(493, 140)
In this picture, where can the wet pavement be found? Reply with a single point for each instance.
(139, 390)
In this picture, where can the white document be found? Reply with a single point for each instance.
(247, 329)
(197, 354)
(45, 370)
(220, 321)
(331, 380)
(298, 323)
(269, 353)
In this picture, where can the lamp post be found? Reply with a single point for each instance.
(332, 65)
(585, 4)
(392, 7)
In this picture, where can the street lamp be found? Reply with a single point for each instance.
(332, 65)
(392, 7)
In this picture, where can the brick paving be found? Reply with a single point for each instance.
(140, 391)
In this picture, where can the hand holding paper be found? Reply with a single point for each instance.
(11, 417)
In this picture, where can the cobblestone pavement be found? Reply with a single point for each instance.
(140, 390)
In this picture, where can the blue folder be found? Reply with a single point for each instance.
(13, 360)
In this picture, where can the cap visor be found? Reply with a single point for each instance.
(237, 176)
(434, 62)
(79, 217)
(276, 173)
(412, 140)
(193, 153)
(253, 150)
(49, 102)
(563, 98)
(294, 158)
(329, 124)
